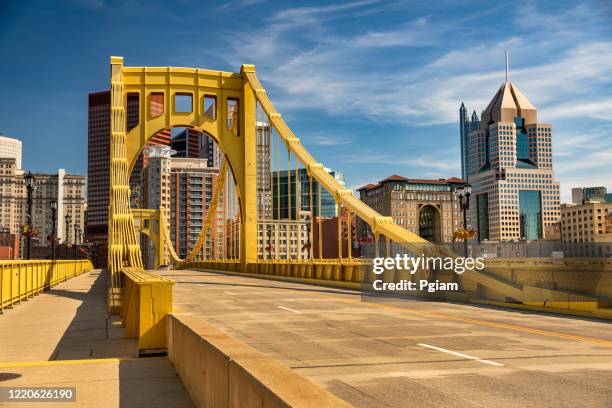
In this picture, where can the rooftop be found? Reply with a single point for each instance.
(396, 177)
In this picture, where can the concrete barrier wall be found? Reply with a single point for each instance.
(572, 286)
(220, 371)
(589, 277)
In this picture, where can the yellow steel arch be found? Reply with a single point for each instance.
(161, 87)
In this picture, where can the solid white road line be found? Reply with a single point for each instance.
(461, 355)
(230, 293)
(291, 310)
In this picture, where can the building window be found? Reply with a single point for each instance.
(530, 210)
(183, 102)
(482, 209)
(210, 106)
(233, 110)
(156, 104)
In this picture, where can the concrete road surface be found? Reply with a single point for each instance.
(409, 353)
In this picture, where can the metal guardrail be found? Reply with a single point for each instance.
(147, 300)
(345, 270)
(20, 280)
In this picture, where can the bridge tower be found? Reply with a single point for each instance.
(231, 122)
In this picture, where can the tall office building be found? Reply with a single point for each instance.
(187, 143)
(210, 151)
(264, 168)
(599, 194)
(162, 138)
(280, 181)
(509, 165)
(67, 190)
(98, 173)
(12, 196)
(466, 125)
(191, 191)
(98, 167)
(156, 189)
(10, 148)
(586, 229)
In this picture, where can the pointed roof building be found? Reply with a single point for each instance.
(507, 104)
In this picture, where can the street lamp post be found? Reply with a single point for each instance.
(29, 181)
(68, 219)
(80, 236)
(463, 193)
(53, 232)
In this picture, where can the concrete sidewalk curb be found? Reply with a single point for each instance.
(220, 371)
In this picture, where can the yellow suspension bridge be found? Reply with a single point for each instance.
(247, 233)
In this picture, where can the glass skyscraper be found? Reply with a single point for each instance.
(506, 156)
(328, 203)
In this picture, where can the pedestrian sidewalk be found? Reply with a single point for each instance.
(65, 338)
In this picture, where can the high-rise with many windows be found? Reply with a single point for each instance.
(10, 148)
(508, 162)
(192, 185)
(284, 185)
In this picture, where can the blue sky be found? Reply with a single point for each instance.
(372, 88)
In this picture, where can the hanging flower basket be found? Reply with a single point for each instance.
(28, 231)
(464, 234)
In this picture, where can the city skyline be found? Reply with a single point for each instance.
(434, 53)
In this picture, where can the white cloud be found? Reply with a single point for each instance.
(561, 62)
(328, 140)
(301, 13)
(600, 108)
(336, 76)
(236, 5)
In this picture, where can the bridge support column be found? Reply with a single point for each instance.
(248, 236)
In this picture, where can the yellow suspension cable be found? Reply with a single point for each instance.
(320, 221)
(339, 220)
(349, 234)
(298, 208)
(287, 233)
(278, 198)
(311, 232)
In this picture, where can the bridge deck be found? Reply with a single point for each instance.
(388, 354)
(63, 338)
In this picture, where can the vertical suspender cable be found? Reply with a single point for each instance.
(298, 207)
(288, 236)
(349, 236)
(339, 220)
(278, 198)
(311, 232)
(320, 220)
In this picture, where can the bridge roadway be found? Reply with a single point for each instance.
(410, 352)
